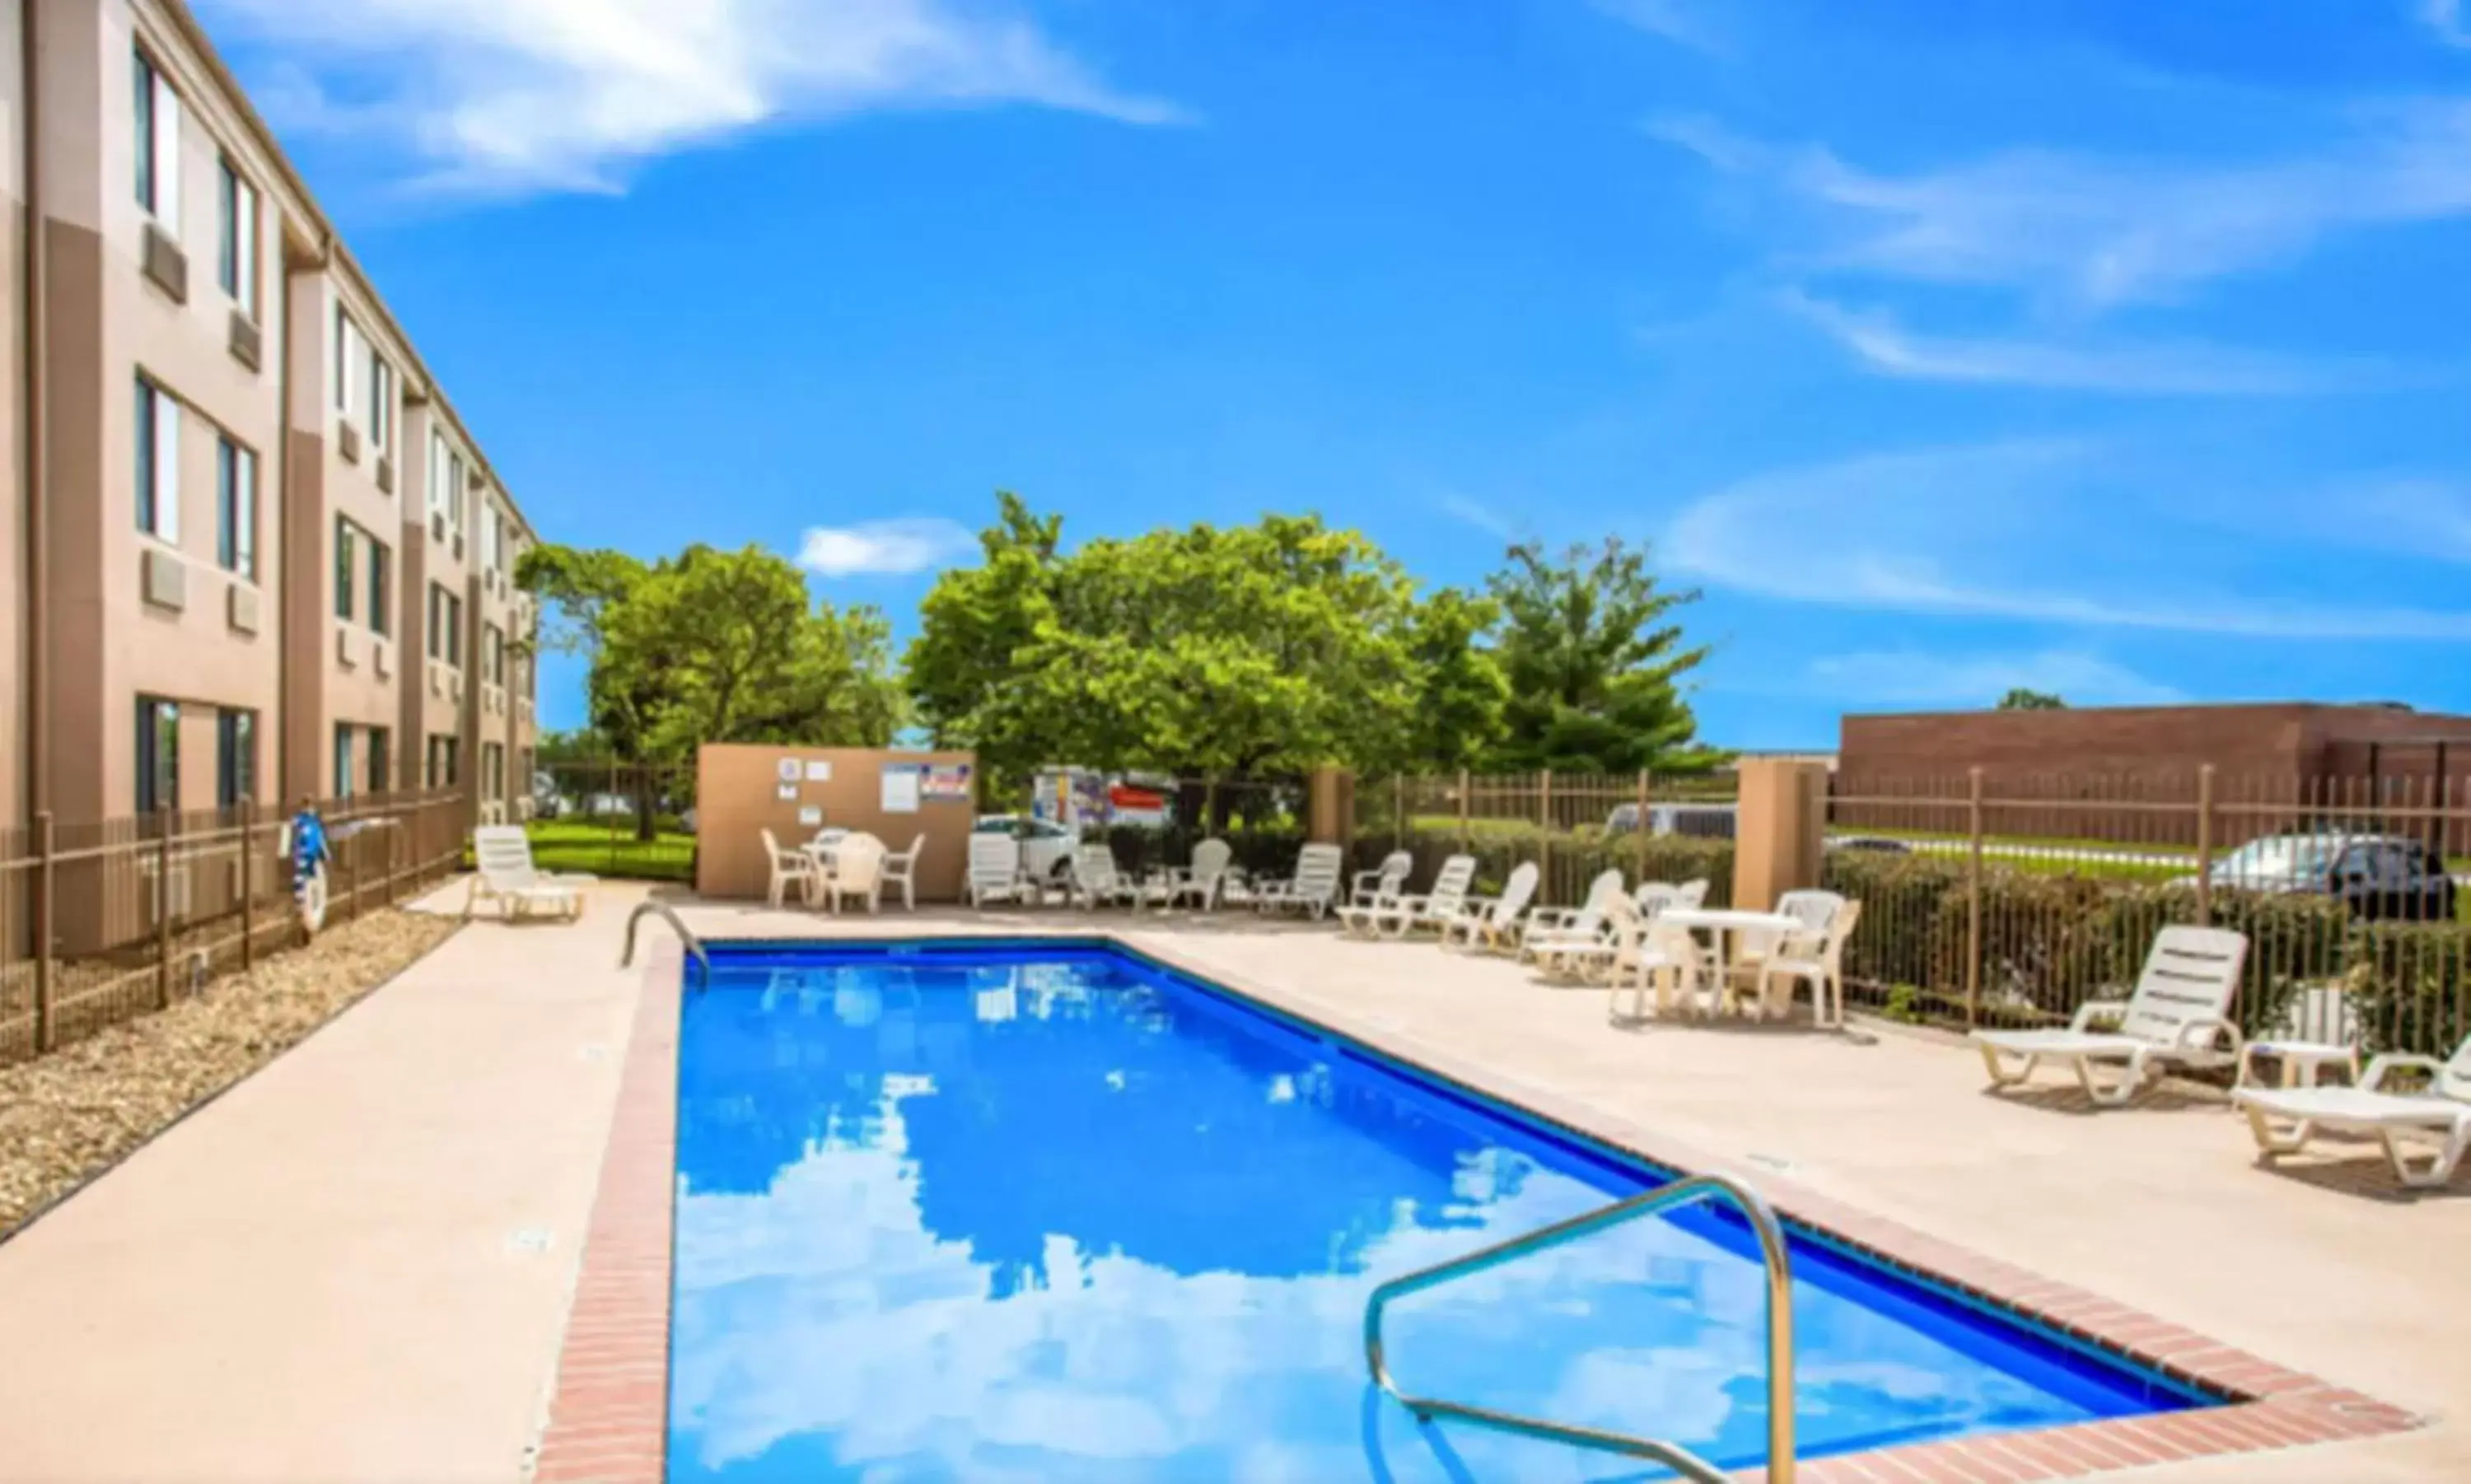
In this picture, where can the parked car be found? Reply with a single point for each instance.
(1046, 846)
(1705, 821)
(2378, 876)
(1880, 843)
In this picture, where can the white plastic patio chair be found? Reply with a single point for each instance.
(1383, 881)
(1752, 946)
(1202, 879)
(798, 868)
(994, 871)
(504, 873)
(2175, 1017)
(857, 873)
(1492, 924)
(1096, 879)
(1404, 914)
(901, 869)
(1312, 889)
(1670, 962)
(2442, 1115)
(1816, 957)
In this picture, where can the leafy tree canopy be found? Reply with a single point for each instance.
(2022, 699)
(1594, 658)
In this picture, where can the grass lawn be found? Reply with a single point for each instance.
(608, 847)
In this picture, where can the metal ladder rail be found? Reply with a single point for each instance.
(669, 914)
(1779, 1315)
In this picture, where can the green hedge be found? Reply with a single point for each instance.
(2050, 943)
(1572, 859)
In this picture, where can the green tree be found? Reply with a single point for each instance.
(1210, 652)
(1594, 659)
(2022, 699)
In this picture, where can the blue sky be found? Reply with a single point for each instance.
(2115, 348)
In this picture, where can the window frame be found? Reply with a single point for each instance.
(156, 117)
(347, 567)
(235, 755)
(159, 755)
(381, 586)
(235, 506)
(237, 225)
(342, 759)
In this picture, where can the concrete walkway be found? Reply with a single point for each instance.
(333, 1273)
(353, 1266)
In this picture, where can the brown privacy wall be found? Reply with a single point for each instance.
(1778, 829)
(738, 797)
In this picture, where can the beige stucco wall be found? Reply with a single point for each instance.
(737, 798)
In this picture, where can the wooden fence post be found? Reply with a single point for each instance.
(247, 884)
(1544, 831)
(163, 908)
(1466, 839)
(1641, 847)
(1973, 898)
(44, 1035)
(2205, 846)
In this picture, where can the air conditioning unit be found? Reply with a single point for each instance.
(245, 342)
(163, 579)
(437, 526)
(343, 647)
(163, 895)
(165, 264)
(459, 546)
(349, 439)
(455, 686)
(381, 657)
(436, 678)
(386, 475)
(239, 609)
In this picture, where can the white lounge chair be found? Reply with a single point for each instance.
(504, 873)
(1384, 882)
(857, 873)
(1492, 924)
(994, 871)
(2175, 1017)
(1436, 908)
(1598, 956)
(1550, 929)
(1817, 955)
(1312, 889)
(2440, 1114)
(901, 869)
(1096, 878)
(1203, 879)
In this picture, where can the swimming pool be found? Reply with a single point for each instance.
(1048, 1211)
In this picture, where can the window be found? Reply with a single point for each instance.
(344, 340)
(159, 755)
(446, 625)
(158, 146)
(235, 757)
(493, 541)
(346, 561)
(342, 761)
(493, 654)
(236, 237)
(442, 760)
(235, 508)
(493, 770)
(454, 480)
(377, 760)
(381, 403)
(381, 586)
(158, 462)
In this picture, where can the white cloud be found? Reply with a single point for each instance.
(1675, 20)
(884, 547)
(2446, 19)
(2051, 533)
(1908, 677)
(2092, 231)
(525, 95)
(2158, 368)
(1476, 512)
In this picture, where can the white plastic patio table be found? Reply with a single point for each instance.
(1725, 925)
(2300, 1060)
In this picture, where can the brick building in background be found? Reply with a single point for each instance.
(247, 549)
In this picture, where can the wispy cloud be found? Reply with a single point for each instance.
(1912, 677)
(2445, 18)
(2148, 367)
(511, 96)
(1684, 21)
(2055, 533)
(1476, 512)
(892, 547)
(2091, 232)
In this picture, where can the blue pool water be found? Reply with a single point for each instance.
(1048, 1212)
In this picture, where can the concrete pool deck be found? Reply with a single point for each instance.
(357, 1264)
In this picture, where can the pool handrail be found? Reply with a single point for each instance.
(669, 914)
(1698, 1188)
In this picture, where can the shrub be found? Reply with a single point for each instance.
(2410, 985)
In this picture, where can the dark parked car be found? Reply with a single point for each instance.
(1875, 843)
(2379, 875)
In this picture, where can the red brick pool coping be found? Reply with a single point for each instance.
(609, 1413)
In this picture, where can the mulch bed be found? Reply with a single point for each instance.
(68, 1116)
